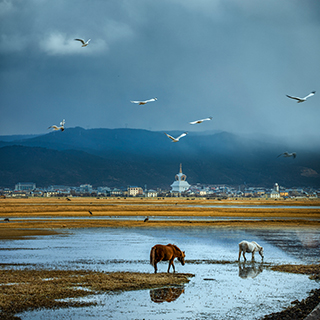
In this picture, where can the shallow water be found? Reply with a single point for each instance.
(154, 218)
(221, 289)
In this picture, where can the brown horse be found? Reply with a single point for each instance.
(169, 252)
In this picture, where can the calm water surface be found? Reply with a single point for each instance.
(221, 289)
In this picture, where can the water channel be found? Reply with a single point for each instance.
(221, 289)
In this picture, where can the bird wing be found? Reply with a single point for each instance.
(171, 137)
(135, 101)
(54, 127)
(150, 100)
(309, 95)
(294, 154)
(82, 41)
(280, 155)
(88, 41)
(182, 135)
(195, 122)
(201, 120)
(296, 98)
(62, 122)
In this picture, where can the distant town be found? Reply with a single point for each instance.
(221, 191)
(179, 188)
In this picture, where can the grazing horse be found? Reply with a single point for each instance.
(246, 246)
(169, 252)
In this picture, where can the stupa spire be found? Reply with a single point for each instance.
(180, 185)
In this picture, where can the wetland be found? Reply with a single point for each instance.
(58, 243)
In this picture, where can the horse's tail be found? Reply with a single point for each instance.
(152, 256)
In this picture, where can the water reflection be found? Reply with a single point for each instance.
(166, 294)
(249, 270)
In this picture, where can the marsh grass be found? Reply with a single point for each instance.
(25, 290)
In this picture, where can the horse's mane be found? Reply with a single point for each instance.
(173, 245)
(257, 245)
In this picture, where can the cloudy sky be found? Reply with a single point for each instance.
(234, 60)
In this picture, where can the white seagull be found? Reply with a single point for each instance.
(176, 139)
(287, 154)
(302, 99)
(54, 127)
(144, 102)
(84, 44)
(200, 121)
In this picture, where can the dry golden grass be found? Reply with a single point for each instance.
(141, 207)
(23, 290)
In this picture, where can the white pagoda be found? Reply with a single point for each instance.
(180, 185)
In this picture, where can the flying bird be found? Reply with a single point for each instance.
(176, 139)
(145, 101)
(54, 127)
(302, 99)
(90, 212)
(146, 219)
(287, 154)
(200, 121)
(84, 44)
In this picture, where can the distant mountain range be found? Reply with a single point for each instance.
(122, 157)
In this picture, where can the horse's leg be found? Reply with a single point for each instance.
(253, 255)
(171, 264)
(239, 254)
(155, 267)
(244, 256)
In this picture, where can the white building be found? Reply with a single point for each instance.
(180, 185)
(151, 193)
(135, 191)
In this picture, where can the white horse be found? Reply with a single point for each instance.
(246, 246)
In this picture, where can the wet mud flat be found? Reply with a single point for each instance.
(30, 289)
(299, 309)
(193, 235)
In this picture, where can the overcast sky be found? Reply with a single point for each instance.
(234, 60)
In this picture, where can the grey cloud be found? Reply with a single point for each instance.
(232, 60)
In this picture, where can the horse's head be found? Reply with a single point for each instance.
(261, 252)
(181, 258)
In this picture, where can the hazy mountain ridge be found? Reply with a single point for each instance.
(121, 157)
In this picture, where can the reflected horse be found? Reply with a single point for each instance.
(169, 252)
(250, 271)
(166, 294)
(249, 247)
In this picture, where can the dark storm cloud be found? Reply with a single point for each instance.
(232, 60)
